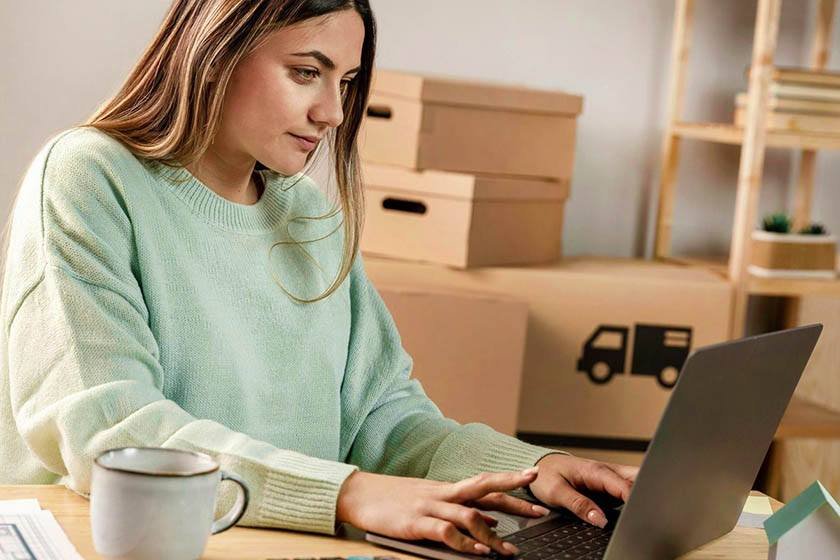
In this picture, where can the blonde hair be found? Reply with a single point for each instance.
(169, 108)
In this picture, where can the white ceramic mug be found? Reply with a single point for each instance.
(151, 503)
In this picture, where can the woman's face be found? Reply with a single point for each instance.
(286, 94)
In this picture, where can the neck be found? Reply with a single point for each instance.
(235, 182)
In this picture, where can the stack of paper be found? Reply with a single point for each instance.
(28, 532)
(756, 510)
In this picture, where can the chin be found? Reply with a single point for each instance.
(285, 168)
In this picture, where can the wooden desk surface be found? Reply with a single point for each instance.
(260, 544)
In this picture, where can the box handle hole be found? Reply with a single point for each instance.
(403, 205)
(379, 112)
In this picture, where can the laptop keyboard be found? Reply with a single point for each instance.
(562, 538)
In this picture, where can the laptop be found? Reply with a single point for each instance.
(699, 468)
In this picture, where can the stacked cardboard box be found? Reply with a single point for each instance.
(463, 175)
(800, 100)
(467, 349)
(605, 340)
(799, 461)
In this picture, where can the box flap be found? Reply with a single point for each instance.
(456, 91)
(461, 185)
(406, 288)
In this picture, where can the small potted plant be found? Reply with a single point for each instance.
(779, 253)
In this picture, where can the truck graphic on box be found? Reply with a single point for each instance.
(658, 350)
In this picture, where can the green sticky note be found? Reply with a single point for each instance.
(759, 505)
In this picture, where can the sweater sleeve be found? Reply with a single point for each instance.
(402, 432)
(83, 364)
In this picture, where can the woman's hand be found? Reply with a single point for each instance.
(414, 508)
(562, 477)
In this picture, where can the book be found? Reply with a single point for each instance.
(798, 122)
(801, 91)
(819, 78)
(794, 105)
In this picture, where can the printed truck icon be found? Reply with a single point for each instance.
(658, 350)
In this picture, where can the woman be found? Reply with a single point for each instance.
(173, 279)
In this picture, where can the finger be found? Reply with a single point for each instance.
(580, 505)
(469, 519)
(499, 501)
(625, 471)
(601, 478)
(482, 484)
(444, 531)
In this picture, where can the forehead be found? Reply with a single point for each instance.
(338, 35)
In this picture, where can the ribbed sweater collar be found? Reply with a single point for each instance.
(262, 217)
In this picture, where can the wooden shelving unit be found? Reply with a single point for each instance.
(753, 138)
(724, 133)
(805, 419)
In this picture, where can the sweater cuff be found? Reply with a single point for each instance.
(475, 448)
(303, 504)
(510, 454)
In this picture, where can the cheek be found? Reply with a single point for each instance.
(270, 103)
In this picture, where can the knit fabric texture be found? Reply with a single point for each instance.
(140, 308)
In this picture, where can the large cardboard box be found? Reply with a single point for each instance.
(467, 349)
(797, 462)
(605, 338)
(460, 219)
(454, 125)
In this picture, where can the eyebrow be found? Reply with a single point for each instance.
(324, 59)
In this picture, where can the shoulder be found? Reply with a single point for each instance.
(87, 151)
(76, 190)
(85, 169)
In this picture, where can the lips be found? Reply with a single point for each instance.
(313, 139)
(305, 143)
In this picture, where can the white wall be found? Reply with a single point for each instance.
(59, 60)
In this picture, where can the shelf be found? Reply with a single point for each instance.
(791, 287)
(759, 286)
(716, 263)
(725, 133)
(805, 419)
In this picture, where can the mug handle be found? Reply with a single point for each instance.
(230, 519)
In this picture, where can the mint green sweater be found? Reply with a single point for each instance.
(139, 308)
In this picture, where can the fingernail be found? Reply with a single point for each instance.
(483, 549)
(529, 472)
(510, 548)
(597, 518)
(541, 510)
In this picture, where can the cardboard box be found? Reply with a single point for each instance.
(467, 350)
(569, 302)
(461, 220)
(616, 457)
(445, 124)
(797, 462)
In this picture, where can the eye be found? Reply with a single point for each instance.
(306, 74)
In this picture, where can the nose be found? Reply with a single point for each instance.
(328, 110)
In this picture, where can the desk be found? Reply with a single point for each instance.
(259, 544)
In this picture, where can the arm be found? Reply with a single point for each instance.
(402, 432)
(82, 363)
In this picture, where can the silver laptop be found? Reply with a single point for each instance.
(699, 467)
